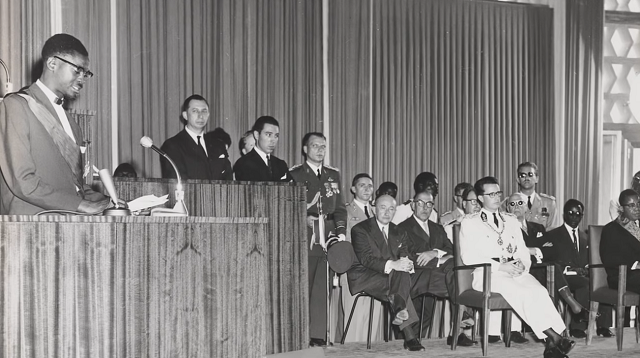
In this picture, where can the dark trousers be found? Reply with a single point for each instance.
(317, 293)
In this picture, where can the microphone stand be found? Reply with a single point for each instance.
(180, 209)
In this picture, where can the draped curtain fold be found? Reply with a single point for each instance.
(248, 58)
(462, 89)
(583, 113)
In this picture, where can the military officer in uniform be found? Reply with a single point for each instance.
(494, 237)
(324, 202)
(456, 214)
(541, 208)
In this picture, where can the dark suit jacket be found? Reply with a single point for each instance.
(562, 251)
(618, 247)
(373, 252)
(192, 163)
(419, 241)
(35, 175)
(531, 236)
(251, 167)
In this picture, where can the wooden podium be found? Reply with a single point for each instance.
(228, 286)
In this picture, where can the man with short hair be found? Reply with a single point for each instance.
(568, 247)
(324, 203)
(431, 252)
(541, 208)
(494, 237)
(195, 154)
(40, 148)
(260, 164)
(457, 213)
(385, 271)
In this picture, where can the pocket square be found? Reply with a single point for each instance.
(539, 234)
(284, 176)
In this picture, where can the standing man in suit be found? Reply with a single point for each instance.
(541, 208)
(196, 156)
(260, 164)
(40, 148)
(385, 270)
(495, 237)
(620, 243)
(431, 252)
(568, 247)
(324, 203)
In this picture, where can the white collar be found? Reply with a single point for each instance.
(195, 135)
(381, 226)
(460, 211)
(570, 230)
(314, 167)
(49, 93)
(262, 154)
(360, 205)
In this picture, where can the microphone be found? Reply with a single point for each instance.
(180, 209)
(107, 181)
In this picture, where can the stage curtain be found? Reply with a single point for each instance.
(460, 88)
(583, 117)
(248, 58)
(349, 73)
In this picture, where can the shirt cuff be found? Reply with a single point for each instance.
(387, 268)
(635, 266)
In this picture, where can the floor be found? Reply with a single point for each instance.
(600, 347)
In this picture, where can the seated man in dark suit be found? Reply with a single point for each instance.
(620, 243)
(385, 270)
(194, 156)
(260, 164)
(431, 252)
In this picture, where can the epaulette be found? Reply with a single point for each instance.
(547, 196)
(330, 167)
(295, 167)
(472, 215)
(509, 215)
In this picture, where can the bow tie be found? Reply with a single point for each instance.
(59, 101)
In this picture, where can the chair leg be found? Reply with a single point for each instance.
(370, 323)
(433, 314)
(476, 327)
(386, 330)
(442, 313)
(485, 330)
(591, 326)
(637, 323)
(506, 317)
(353, 308)
(619, 325)
(422, 320)
(457, 314)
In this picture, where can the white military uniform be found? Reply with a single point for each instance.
(482, 242)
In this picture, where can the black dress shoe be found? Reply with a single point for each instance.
(517, 337)
(494, 339)
(604, 332)
(566, 345)
(463, 341)
(413, 345)
(577, 333)
(553, 352)
(317, 342)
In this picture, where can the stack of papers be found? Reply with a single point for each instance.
(147, 201)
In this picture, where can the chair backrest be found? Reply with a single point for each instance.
(463, 278)
(597, 276)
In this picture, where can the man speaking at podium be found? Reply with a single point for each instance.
(40, 148)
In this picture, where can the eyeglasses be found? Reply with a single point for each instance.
(524, 175)
(632, 205)
(495, 194)
(576, 213)
(472, 201)
(514, 203)
(80, 71)
(428, 204)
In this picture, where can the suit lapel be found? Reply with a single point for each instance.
(418, 230)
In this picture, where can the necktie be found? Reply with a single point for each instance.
(529, 202)
(384, 233)
(366, 211)
(425, 227)
(269, 163)
(495, 220)
(201, 147)
(575, 241)
(318, 174)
